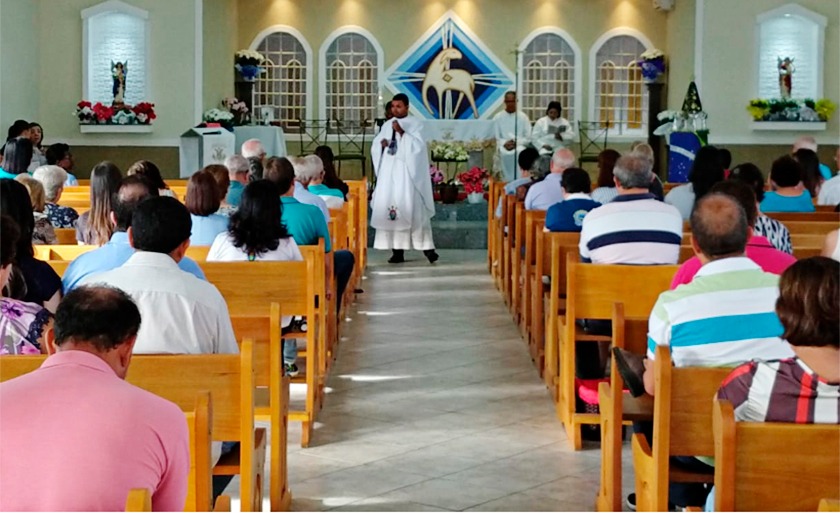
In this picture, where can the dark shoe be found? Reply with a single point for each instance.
(631, 366)
(631, 499)
(397, 256)
(431, 255)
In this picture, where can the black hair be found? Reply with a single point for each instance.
(255, 168)
(725, 157)
(9, 240)
(554, 105)
(575, 179)
(280, 171)
(749, 174)
(527, 158)
(743, 194)
(56, 152)
(16, 129)
(255, 227)
(37, 125)
(400, 97)
(331, 178)
(105, 317)
(17, 155)
(706, 171)
(786, 171)
(809, 164)
(133, 190)
(160, 225)
(15, 203)
(719, 225)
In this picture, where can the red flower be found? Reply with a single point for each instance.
(82, 104)
(102, 112)
(473, 179)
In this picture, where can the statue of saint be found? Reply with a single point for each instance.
(786, 71)
(118, 72)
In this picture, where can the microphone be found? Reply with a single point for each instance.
(392, 147)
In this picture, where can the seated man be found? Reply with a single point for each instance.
(788, 194)
(184, 315)
(133, 190)
(568, 215)
(74, 436)
(759, 249)
(334, 198)
(238, 169)
(542, 195)
(58, 154)
(634, 228)
(526, 162)
(513, 134)
(304, 172)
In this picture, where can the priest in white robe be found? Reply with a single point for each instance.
(552, 131)
(403, 205)
(513, 134)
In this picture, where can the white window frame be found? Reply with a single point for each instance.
(577, 69)
(122, 7)
(307, 49)
(801, 12)
(322, 65)
(627, 135)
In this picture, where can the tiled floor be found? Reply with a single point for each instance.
(434, 405)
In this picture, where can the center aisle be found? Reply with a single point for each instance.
(434, 404)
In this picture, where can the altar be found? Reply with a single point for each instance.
(458, 130)
(272, 138)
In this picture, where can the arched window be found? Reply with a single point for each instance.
(351, 67)
(285, 87)
(550, 61)
(618, 94)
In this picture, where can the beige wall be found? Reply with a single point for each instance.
(729, 69)
(18, 61)
(680, 45)
(220, 29)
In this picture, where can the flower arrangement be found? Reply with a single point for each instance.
(100, 114)
(217, 116)
(249, 64)
(652, 64)
(473, 180)
(479, 144)
(448, 150)
(436, 175)
(236, 107)
(788, 109)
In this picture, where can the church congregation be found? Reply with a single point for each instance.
(461, 260)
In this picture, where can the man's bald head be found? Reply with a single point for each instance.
(563, 159)
(719, 226)
(133, 190)
(253, 148)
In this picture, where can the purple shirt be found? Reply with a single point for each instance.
(759, 250)
(76, 437)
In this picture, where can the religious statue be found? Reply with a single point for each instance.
(786, 71)
(118, 72)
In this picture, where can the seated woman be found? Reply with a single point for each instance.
(22, 324)
(38, 283)
(552, 131)
(334, 198)
(95, 226)
(331, 178)
(43, 233)
(606, 191)
(767, 227)
(53, 179)
(256, 234)
(706, 171)
(788, 194)
(152, 173)
(203, 203)
(811, 177)
(222, 176)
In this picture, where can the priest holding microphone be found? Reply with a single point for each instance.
(403, 205)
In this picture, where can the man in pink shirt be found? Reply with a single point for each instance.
(759, 249)
(74, 436)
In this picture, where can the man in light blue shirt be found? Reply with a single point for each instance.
(544, 194)
(133, 190)
(238, 168)
(306, 197)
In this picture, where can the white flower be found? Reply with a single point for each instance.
(651, 54)
(666, 114)
(250, 54)
(142, 117)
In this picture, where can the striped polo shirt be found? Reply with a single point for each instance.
(724, 317)
(781, 391)
(632, 229)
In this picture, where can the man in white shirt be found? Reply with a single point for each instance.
(543, 194)
(303, 175)
(181, 313)
(513, 134)
(830, 190)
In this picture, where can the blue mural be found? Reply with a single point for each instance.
(450, 74)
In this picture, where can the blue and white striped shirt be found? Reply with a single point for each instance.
(724, 317)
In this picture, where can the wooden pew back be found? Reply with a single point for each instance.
(748, 476)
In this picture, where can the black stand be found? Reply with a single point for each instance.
(244, 92)
(654, 108)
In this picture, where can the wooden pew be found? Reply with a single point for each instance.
(786, 217)
(495, 191)
(249, 288)
(199, 486)
(139, 499)
(359, 188)
(811, 227)
(591, 292)
(618, 408)
(66, 235)
(534, 223)
(748, 473)
(829, 505)
(509, 229)
(265, 331)
(518, 245)
(682, 426)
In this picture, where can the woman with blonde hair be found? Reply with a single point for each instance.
(44, 233)
(95, 226)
